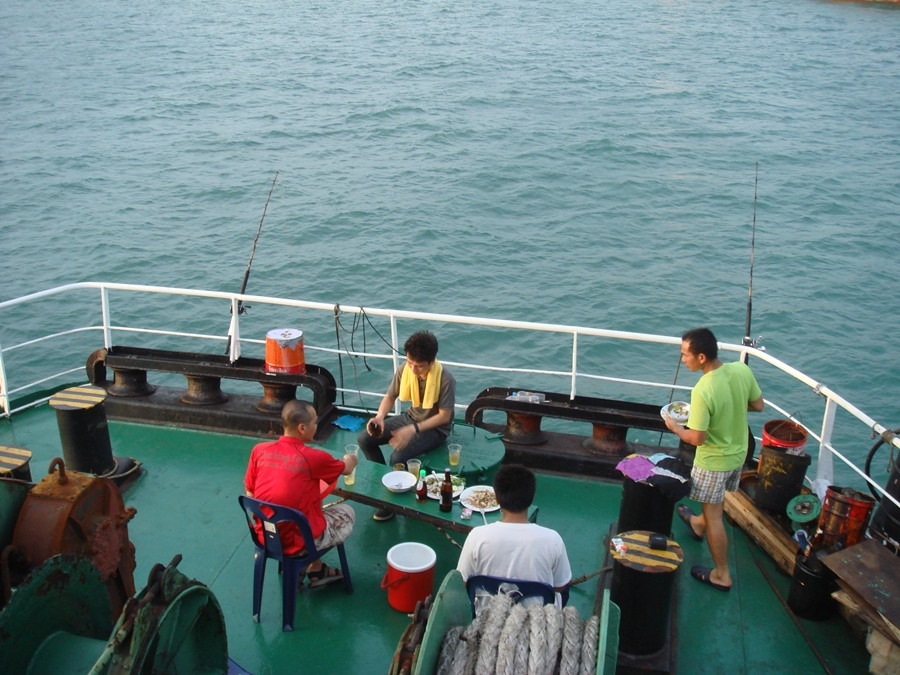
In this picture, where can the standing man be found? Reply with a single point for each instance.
(287, 472)
(431, 391)
(717, 425)
(515, 548)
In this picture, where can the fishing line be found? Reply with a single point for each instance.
(671, 392)
(359, 319)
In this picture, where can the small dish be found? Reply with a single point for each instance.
(677, 410)
(398, 481)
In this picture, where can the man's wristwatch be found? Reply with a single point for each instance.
(416, 426)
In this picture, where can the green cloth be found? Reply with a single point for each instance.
(719, 407)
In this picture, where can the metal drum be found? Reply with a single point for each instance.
(642, 584)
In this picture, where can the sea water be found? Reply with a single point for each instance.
(579, 162)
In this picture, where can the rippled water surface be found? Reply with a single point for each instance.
(576, 162)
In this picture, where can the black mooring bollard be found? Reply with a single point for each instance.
(83, 429)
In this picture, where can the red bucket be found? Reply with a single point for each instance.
(410, 575)
(784, 434)
(284, 351)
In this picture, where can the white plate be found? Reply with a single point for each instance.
(433, 483)
(682, 417)
(399, 481)
(467, 494)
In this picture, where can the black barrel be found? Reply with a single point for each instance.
(811, 587)
(14, 462)
(83, 429)
(644, 507)
(780, 478)
(885, 523)
(643, 580)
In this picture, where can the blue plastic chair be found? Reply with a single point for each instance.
(291, 566)
(527, 589)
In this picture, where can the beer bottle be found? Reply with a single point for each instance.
(447, 492)
(422, 487)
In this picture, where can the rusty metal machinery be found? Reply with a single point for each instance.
(80, 514)
(60, 621)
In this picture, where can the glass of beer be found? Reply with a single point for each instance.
(454, 449)
(413, 466)
(350, 478)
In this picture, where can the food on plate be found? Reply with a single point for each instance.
(679, 409)
(482, 498)
(433, 483)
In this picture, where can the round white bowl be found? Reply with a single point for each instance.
(399, 481)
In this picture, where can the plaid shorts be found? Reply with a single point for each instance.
(709, 487)
(338, 525)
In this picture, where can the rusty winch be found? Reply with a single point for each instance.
(78, 514)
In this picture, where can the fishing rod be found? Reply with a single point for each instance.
(240, 303)
(749, 341)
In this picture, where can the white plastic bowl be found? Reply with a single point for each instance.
(399, 481)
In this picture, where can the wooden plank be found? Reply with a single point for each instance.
(765, 531)
(873, 573)
(864, 611)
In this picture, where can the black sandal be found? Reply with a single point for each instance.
(324, 575)
(685, 513)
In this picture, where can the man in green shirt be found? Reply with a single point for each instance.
(717, 425)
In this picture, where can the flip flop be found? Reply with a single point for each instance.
(324, 576)
(701, 574)
(684, 512)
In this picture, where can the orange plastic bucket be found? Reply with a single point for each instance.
(410, 575)
(284, 351)
(784, 434)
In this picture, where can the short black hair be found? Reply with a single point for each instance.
(421, 346)
(514, 486)
(297, 412)
(702, 341)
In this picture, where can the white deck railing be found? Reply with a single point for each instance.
(12, 390)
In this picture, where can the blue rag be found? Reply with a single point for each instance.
(349, 422)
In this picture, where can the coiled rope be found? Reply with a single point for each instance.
(511, 639)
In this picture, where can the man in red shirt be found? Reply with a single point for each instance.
(288, 471)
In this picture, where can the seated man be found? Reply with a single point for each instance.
(287, 472)
(514, 548)
(431, 391)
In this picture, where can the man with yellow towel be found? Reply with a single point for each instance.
(431, 391)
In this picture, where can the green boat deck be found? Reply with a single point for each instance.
(186, 503)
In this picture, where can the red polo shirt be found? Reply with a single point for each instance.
(287, 472)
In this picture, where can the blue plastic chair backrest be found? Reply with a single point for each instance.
(527, 589)
(272, 516)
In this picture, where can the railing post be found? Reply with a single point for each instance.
(394, 357)
(825, 462)
(573, 390)
(234, 332)
(4, 397)
(104, 311)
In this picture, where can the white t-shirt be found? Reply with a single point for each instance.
(523, 551)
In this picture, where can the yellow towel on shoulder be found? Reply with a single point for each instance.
(409, 386)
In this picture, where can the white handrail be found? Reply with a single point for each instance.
(833, 400)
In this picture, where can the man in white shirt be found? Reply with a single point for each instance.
(514, 548)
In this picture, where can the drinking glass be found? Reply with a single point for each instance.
(453, 453)
(350, 478)
(413, 466)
